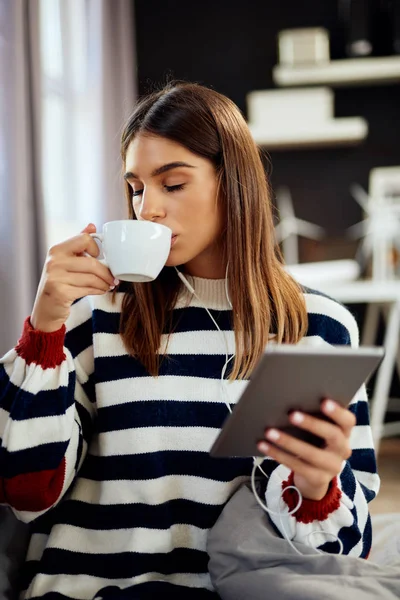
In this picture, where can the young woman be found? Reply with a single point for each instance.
(112, 398)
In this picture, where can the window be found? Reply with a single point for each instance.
(71, 142)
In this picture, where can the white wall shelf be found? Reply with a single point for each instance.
(337, 132)
(346, 72)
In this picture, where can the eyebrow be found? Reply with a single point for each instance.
(160, 170)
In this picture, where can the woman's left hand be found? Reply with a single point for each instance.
(314, 468)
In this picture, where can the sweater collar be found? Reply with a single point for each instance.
(211, 293)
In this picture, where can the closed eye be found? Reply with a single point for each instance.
(168, 188)
(174, 188)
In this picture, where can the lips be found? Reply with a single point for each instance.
(173, 239)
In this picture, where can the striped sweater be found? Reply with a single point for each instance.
(112, 468)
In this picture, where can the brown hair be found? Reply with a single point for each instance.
(264, 297)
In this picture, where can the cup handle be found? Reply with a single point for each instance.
(100, 237)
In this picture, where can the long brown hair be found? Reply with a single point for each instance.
(264, 297)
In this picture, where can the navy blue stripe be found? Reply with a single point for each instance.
(183, 320)
(89, 388)
(363, 460)
(329, 329)
(86, 421)
(367, 538)
(361, 412)
(161, 413)
(105, 322)
(156, 589)
(79, 449)
(127, 516)
(8, 390)
(160, 464)
(191, 365)
(123, 565)
(348, 481)
(79, 338)
(28, 572)
(369, 494)
(23, 405)
(143, 591)
(349, 536)
(32, 460)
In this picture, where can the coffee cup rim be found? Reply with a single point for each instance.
(136, 221)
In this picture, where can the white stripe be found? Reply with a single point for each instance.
(3, 421)
(361, 437)
(9, 357)
(37, 545)
(357, 549)
(79, 314)
(30, 433)
(82, 587)
(166, 387)
(371, 481)
(84, 364)
(34, 379)
(138, 539)
(207, 342)
(143, 440)
(313, 341)
(156, 491)
(105, 303)
(361, 507)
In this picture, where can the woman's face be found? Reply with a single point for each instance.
(177, 188)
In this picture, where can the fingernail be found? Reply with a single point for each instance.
(112, 287)
(116, 281)
(329, 405)
(263, 447)
(273, 434)
(297, 417)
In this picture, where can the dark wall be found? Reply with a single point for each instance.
(231, 46)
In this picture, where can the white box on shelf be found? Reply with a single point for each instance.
(346, 131)
(303, 46)
(344, 72)
(311, 105)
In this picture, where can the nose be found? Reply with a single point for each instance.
(151, 206)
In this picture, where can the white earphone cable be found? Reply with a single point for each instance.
(257, 460)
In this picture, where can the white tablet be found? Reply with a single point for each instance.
(293, 377)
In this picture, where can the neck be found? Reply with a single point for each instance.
(208, 265)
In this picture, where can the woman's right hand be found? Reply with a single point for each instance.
(68, 275)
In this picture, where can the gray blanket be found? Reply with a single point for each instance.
(248, 561)
(14, 537)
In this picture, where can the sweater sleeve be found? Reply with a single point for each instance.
(343, 513)
(47, 407)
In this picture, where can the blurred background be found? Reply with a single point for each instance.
(319, 85)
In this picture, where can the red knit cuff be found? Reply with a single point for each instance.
(312, 510)
(41, 348)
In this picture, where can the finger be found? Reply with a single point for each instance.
(87, 264)
(89, 228)
(77, 245)
(333, 435)
(321, 459)
(87, 280)
(342, 416)
(86, 291)
(313, 476)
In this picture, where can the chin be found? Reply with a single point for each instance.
(177, 258)
(173, 262)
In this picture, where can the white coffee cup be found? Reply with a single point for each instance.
(134, 250)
